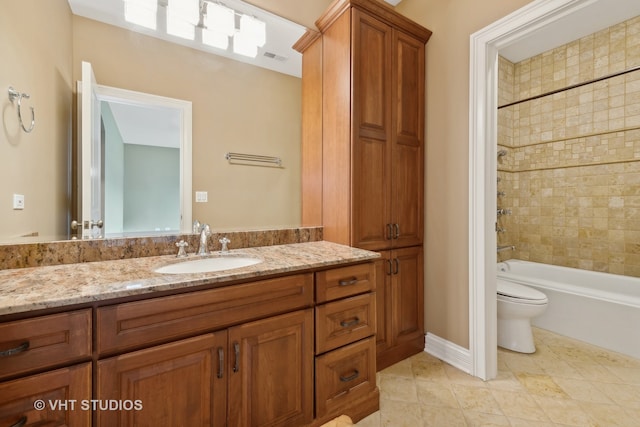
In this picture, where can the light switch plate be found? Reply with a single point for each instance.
(18, 201)
(201, 196)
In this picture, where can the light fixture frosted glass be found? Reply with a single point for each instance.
(215, 39)
(182, 17)
(244, 44)
(141, 12)
(254, 29)
(220, 19)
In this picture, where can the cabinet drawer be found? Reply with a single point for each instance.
(345, 375)
(343, 282)
(67, 387)
(42, 342)
(345, 321)
(139, 324)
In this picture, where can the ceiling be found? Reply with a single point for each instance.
(145, 125)
(596, 15)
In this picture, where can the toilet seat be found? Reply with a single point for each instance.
(514, 292)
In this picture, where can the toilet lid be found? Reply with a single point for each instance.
(515, 290)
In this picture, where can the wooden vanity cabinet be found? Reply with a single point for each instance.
(286, 351)
(46, 352)
(363, 134)
(345, 362)
(258, 373)
(253, 368)
(60, 391)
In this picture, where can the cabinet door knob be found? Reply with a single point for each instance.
(351, 377)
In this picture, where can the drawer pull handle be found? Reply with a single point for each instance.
(21, 422)
(349, 323)
(351, 377)
(236, 364)
(348, 282)
(220, 362)
(16, 350)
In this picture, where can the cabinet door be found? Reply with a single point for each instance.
(371, 110)
(408, 295)
(61, 392)
(407, 140)
(400, 305)
(384, 301)
(271, 371)
(178, 384)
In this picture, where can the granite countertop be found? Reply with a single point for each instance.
(36, 288)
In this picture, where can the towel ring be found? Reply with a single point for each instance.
(13, 95)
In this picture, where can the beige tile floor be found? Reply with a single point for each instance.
(565, 383)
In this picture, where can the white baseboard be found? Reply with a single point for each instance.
(448, 352)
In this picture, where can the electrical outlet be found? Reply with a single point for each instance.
(201, 196)
(18, 201)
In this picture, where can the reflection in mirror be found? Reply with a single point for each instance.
(141, 147)
(135, 162)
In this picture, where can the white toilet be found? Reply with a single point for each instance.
(517, 305)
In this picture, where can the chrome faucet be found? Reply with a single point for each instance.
(205, 232)
(224, 242)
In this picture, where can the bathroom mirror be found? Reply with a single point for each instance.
(237, 107)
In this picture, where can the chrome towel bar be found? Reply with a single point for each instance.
(253, 158)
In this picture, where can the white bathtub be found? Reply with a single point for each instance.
(599, 308)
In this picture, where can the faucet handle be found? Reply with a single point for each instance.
(224, 242)
(181, 251)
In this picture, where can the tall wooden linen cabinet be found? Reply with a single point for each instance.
(363, 103)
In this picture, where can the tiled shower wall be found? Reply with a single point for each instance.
(572, 170)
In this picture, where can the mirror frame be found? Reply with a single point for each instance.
(141, 99)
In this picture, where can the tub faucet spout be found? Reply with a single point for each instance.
(506, 248)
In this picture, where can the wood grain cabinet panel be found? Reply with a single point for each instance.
(344, 281)
(133, 325)
(62, 394)
(400, 305)
(345, 321)
(271, 371)
(44, 342)
(345, 376)
(178, 384)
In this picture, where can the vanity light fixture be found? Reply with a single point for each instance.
(141, 12)
(220, 24)
(182, 18)
(216, 21)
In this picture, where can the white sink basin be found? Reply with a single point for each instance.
(207, 265)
